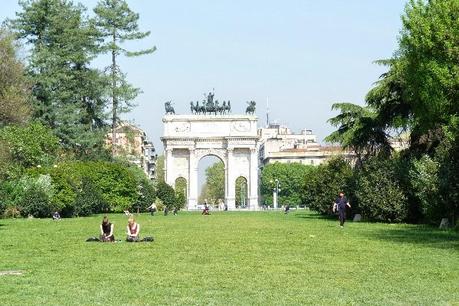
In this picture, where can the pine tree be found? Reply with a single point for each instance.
(117, 24)
(69, 94)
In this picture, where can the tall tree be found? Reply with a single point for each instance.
(117, 24)
(14, 88)
(69, 94)
(359, 130)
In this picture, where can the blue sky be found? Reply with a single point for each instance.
(301, 55)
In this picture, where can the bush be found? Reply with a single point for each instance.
(425, 185)
(166, 194)
(291, 180)
(323, 184)
(31, 145)
(119, 187)
(36, 195)
(89, 200)
(159, 204)
(378, 192)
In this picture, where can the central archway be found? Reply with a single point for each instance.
(211, 181)
(231, 138)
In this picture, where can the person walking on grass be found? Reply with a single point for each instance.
(340, 205)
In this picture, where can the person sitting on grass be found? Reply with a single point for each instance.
(106, 231)
(133, 230)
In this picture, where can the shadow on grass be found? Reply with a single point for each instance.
(314, 216)
(417, 234)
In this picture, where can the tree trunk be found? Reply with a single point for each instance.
(114, 96)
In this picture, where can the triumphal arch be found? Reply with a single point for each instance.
(212, 131)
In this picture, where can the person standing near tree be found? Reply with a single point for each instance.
(340, 205)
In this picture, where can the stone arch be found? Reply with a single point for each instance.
(231, 138)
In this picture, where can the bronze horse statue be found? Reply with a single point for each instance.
(250, 110)
(209, 106)
(169, 108)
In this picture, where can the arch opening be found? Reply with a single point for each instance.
(181, 191)
(241, 192)
(211, 181)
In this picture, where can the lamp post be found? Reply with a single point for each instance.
(276, 191)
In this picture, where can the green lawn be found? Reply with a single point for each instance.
(258, 258)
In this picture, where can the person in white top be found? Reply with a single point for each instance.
(133, 230)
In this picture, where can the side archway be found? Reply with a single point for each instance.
(241, 192)
(181, 191)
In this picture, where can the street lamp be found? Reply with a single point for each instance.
(276, 191)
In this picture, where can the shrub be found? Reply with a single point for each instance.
(378, 193)
(323, 184)
(30, 145)
(166, 194)
(89, 200)
(425, 185)
(159, 204)
(117, 185)
(36, 195)
(291, 179)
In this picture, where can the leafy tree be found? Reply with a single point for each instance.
(241, 191)
(166, 194)
(180, 192)
(28, 146)
(359, 130)
(291, 179)
(14, 87)
(215, 182)
(117, 24)
(69, 95)
(160, 168)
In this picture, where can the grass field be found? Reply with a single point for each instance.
(240, 258)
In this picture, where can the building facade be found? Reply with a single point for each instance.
(279, 144)
(131, 143)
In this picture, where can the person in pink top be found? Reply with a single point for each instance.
(133, 230)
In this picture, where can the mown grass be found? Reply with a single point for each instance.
(257, 258)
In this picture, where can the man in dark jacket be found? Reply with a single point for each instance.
(340, 205)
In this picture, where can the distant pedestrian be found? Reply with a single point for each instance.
(166, 210)
(56, 216)
(340, 205)
(286, 209)
(175, 211)
(205, 211)
(152, 208)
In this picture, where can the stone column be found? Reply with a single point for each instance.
(169, 167)
(193, 180)
(253, 187)
(230, 181)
